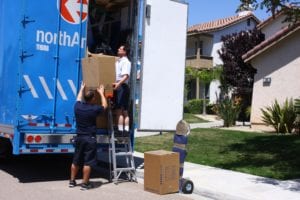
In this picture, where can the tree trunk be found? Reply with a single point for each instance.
(204, 101)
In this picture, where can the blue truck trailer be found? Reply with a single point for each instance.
(41, 47)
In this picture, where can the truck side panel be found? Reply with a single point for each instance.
(50, 69)
(9, 60)
(42, 43)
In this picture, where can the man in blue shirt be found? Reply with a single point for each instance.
(86, 113)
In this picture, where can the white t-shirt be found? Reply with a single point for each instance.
(123, 67)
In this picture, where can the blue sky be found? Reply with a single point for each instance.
(201, 11)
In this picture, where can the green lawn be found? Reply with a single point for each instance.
(190, 118)
(268, 155)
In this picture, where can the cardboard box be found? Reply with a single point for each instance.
(102, 120)
(99, 69)
(161, 171)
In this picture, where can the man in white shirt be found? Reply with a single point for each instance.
(121, 90)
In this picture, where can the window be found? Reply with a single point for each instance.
(201, 47)
(248, 22)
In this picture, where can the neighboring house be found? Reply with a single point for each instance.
(277, 60)
(203, 43)
(273, 24)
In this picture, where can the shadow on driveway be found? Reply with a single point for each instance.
(54, 167)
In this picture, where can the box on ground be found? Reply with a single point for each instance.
(161, 171)
(99, 69)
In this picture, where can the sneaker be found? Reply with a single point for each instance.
(86, 186)
(72, 183)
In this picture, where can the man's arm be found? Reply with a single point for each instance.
(80, 93)
(124, 78)
(100, 90)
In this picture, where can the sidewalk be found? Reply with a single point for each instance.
(219, 184)
(213, 122)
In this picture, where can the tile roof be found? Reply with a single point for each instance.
(283, 33)
(220, 23)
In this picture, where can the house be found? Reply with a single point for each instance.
(203, 43)
(273, 24)
(277, 60)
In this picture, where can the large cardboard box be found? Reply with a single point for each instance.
(161, 171)
(99, 69)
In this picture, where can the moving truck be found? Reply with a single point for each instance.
(42, 44)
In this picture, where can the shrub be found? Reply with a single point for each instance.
(248, 112)
(194, 106)
(280, 117)
(210, 109)
(297, 120)
(228, 110)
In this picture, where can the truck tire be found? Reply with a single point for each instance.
(187, 186)
(5, 149)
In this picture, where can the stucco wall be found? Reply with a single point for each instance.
(271, 28)
(281, 63)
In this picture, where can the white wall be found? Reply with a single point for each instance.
(271, 28)
(282, 64)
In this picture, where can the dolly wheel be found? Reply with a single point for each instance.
(187, 187)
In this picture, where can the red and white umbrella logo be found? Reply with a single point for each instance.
(70, 10)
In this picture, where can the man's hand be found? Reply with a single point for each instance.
(119, 83)
(100, 89)
(82, 86)
(80, 93)
(115, 86)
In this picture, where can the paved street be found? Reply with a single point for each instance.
(46, 177)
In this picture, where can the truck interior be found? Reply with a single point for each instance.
(110, 25)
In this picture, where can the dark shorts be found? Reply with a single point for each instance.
(85, 150)
(121, 97)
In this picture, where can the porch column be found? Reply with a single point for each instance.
(197, 88)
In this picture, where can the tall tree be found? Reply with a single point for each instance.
(290, 7)
(238, 76)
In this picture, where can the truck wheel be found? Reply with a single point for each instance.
(187, 187)
(5, 149)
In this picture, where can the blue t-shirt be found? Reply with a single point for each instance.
(86, 115)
